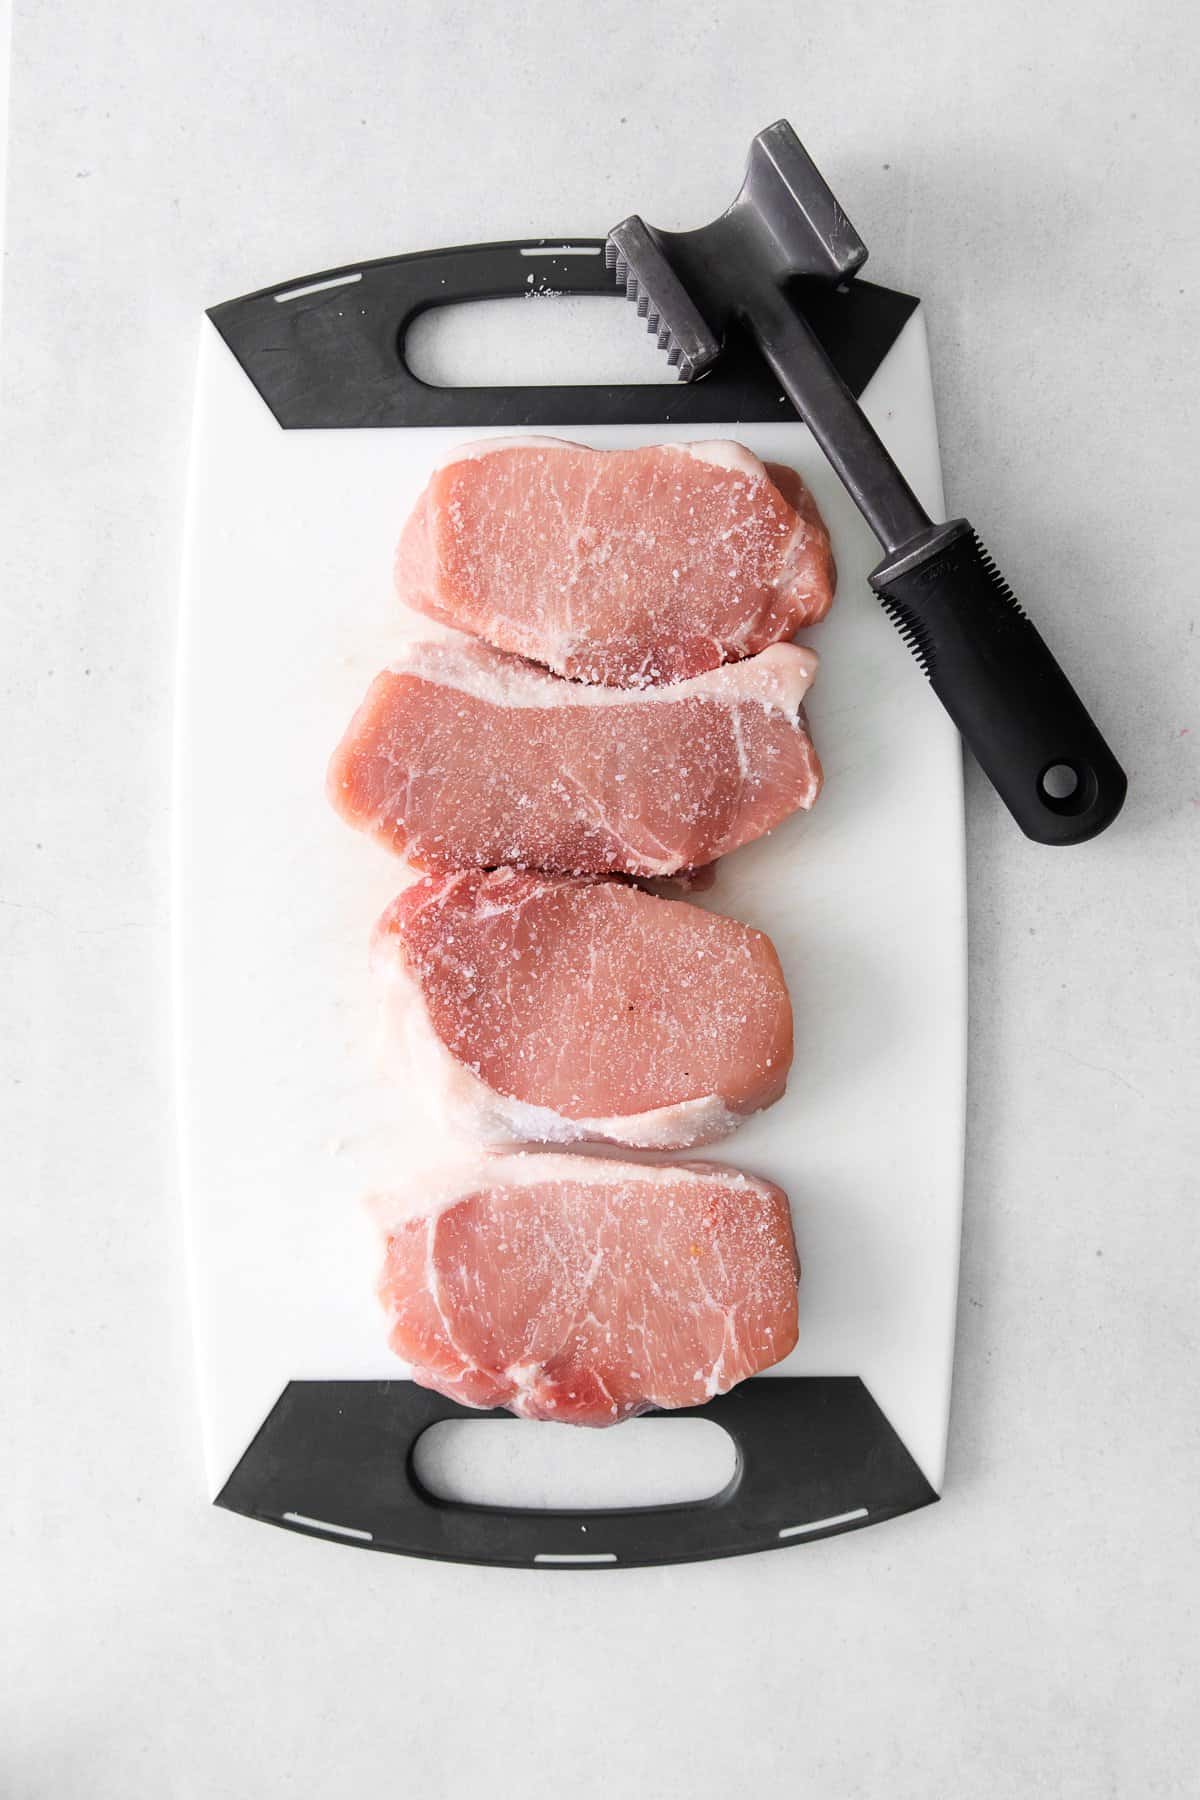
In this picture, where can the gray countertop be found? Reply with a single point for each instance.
(1032, 173)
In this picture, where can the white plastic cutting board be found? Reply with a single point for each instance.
(286, 1120)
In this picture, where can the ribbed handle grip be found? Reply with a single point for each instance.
(1021, 718)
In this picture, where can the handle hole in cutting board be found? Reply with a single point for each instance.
(646, 1462)
(541, 340)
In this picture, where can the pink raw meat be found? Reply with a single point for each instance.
(550, 1009)
(588, 1290)
(620, 566)
(462, 757)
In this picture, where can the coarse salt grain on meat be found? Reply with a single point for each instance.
(460, 756)
(620, 566)
(552, 1009)
(587, 1290)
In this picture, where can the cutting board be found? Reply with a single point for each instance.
(312, 440)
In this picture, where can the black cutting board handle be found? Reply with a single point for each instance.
(327, 350)
(336, 1459)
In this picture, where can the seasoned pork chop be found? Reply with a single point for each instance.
(550, 1009)
(588, 1290)
(460, 757)
(621, 566)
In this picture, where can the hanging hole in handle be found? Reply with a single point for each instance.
(1060, 781)
(1065, 788)
(516, 1463)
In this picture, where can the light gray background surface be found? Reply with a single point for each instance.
(1031, 170)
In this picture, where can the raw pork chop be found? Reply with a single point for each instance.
(621, 566)
(460, 756)
(588, 1290)
(552, 1008)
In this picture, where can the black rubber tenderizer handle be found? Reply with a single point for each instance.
(1023, 721)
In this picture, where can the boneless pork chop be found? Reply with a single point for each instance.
(620, 566)
(462, 757)
(549, 1009)
(588, 1290)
